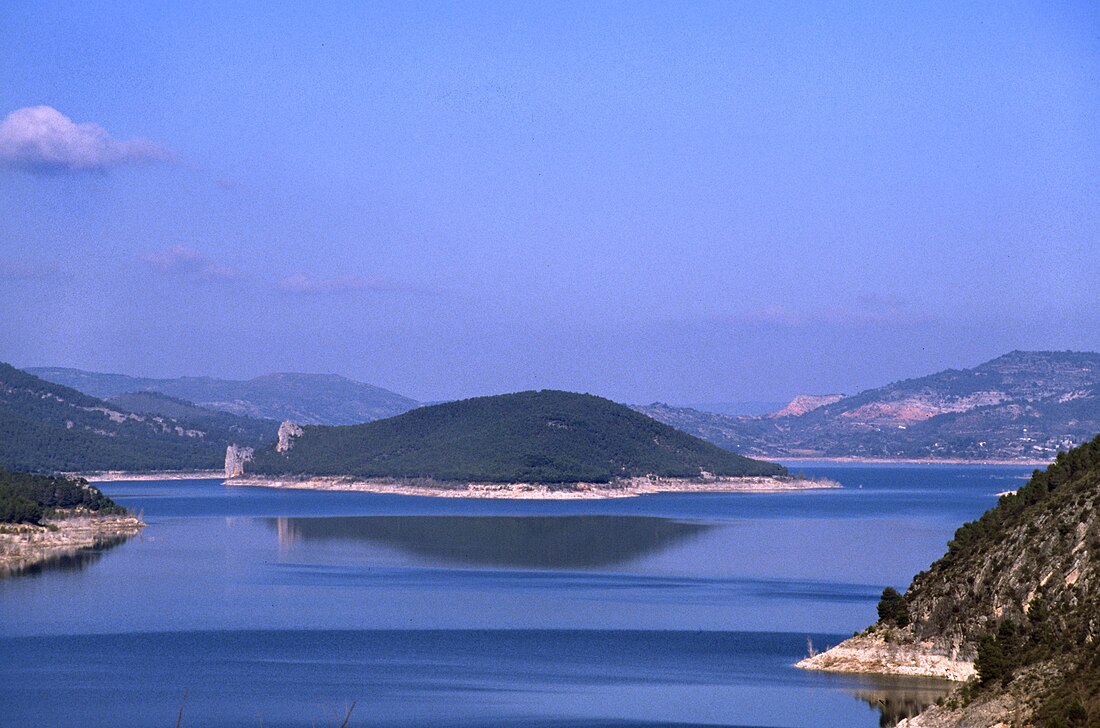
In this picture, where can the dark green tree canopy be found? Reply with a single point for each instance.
(544, 437)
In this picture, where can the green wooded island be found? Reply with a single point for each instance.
(544, 437)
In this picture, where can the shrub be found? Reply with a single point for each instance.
(999, 655)
(892, 608)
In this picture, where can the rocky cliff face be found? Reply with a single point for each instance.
(288, 431)
(235, 459)
(804, 403)
(1038, 563)
(1018, 593)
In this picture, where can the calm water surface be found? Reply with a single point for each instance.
(277, 607)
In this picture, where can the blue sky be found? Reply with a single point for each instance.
(683, 202)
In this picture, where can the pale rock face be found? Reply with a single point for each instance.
(235, 459)
(287, 432)
(873, 654)
(804, 403)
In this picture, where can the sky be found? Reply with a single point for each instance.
(678, 202)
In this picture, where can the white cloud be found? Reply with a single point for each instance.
(186, 261)
(307, 283)
(42, 138)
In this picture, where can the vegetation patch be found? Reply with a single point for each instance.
(46, 428)
(29, 498)
(529, 437)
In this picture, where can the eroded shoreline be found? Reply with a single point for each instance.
(23, 546)
(110, 476)
(873, 654)
(540, 491)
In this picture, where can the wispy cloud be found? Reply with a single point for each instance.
(182, 260)
(16, 270)
(310, 284)
(41, 138)
(867, 309)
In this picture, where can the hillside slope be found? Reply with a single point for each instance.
(322, 399)
(1019, 590)
(45, 427)
(539, 437)
(217, 425)
(1020, 406)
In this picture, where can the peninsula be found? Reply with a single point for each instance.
(1012, 610)
(45, 518)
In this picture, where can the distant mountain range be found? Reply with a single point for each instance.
(318, 399)
(526, 437)
(736, 409)
(1020, 406)
(46, 427)
(1023, 406)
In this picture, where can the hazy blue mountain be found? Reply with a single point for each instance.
(544, 437)
(737, 409)
(323, 399)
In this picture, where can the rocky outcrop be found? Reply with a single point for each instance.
(804, 403)
(1018, 592)
(287, 432)
(875, 653)
(235, 459)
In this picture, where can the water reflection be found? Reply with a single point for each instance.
(73, 560)
(900, 698)
(539, 542)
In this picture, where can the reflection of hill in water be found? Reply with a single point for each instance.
(543, 542)
(902, 698)
(75, 560)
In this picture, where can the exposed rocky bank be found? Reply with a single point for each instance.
(25, 545)
(874, 653)
(1012, 608)
(624, 488)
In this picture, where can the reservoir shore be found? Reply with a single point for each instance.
(873, 654)
(25, 545)
(625, 488)
(528, 491)
(111, 476)
(108, 476)
(904, 461)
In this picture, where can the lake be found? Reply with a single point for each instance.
(254, 606)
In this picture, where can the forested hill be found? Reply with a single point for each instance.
(319, 399)
(217, 425)
(45, 427)
(544, 437)
(1020, 587)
